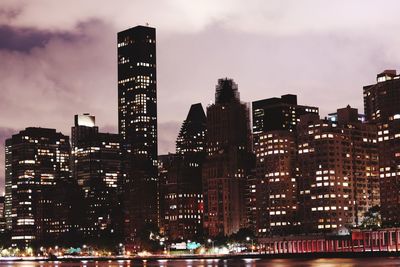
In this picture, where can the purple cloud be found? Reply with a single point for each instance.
(64, 62)
(25, 39)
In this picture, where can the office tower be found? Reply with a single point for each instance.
(278, 113)
(228, 162)
(183, 196)
(274, 143)
(96, 168)
(2, 216)
(337, 171)
(137, 113)
(382, 106)
(37, 169)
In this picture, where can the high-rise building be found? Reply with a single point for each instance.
(276, 189)
(278, 113)
(96, 168)
(381, 100)
(191, 138)
(228, 163)
(2, 215)
(37, 169)
(183, 196)
(137, 114)
(337, 175)
(274, 143)
(164, 165)
(382, 106)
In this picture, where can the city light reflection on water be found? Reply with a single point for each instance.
(362, 262)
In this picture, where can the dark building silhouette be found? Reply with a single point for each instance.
(2, 215)
(381, 100)
(137, 114)
(183, 196)
(228, 162)
(96, 168)
(337, 177)
(274, 142)
(37, 170)
(191, 138)
(278, 113)
(164, 165)
(382, 106)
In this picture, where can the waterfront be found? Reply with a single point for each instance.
(334, 262)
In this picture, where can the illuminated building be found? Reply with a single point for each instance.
(278, 113)
(96, 168)
(37, 169)
(182, 191)
(137, 114)
(2, 215)
(337, 171)
(382, 106)
(381, 100)
(228, 162)
(274, 143)
(276, 196)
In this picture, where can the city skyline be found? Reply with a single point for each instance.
(38, 71)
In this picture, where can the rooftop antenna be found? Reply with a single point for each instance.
(147, 24)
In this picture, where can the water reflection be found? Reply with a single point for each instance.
(366, 262)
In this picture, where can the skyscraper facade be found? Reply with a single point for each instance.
(278, 113)
(382, 106)
(37, 168)
(276, 188)
(183, 196)
(228, 163)
(96, 168)
(274, 142)
(137, 114)
(2, 215)
(337, 176)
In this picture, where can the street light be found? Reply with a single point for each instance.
(252, 246)
(212, 242)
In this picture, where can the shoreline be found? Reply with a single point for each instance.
(315, 255)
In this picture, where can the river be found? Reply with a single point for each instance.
(355, 262)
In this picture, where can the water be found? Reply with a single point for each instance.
(365, 262)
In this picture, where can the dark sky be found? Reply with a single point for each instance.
(58, 58)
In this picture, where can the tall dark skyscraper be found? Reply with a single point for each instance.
(183, 196)
(96, 168)
(137, 114)
(37, 169)
(382, 106)
(228, 162)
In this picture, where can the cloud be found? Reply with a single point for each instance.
(63, 77)
(60, 56)
(281, 17)
(25, 39)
